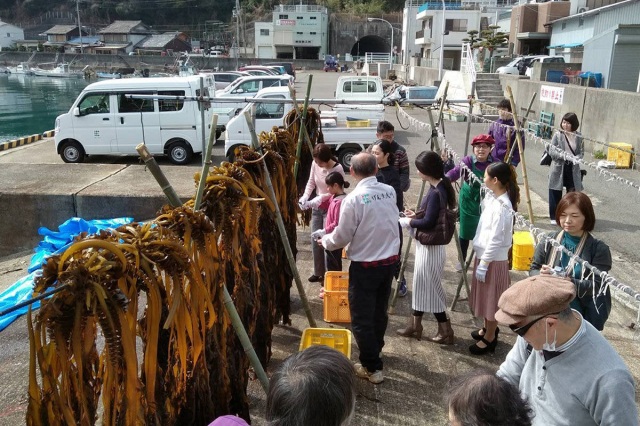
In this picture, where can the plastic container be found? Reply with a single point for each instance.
(357, 123)
(623, 159)
(523, 249)
(336, 338)
(336, 306)
(336, 281)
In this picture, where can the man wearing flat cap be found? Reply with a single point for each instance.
(561, 363)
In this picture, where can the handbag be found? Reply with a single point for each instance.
(546, 159)
(442, 233)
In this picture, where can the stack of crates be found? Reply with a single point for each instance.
(336, 338)
(623, 159)
(523, 249)
(336, 297)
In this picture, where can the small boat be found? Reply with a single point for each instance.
(60, 71)
(21, 68)
(112, 75)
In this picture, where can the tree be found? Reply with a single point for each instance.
(490, 39)
(473, 39)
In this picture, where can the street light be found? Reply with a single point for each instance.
(444, 9)
(391, 26)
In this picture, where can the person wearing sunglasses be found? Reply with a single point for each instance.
(567, 370)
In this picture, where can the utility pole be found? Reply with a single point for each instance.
(79, 26)
(237, 15)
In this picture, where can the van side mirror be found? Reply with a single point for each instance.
(239, 91)
(76, 112)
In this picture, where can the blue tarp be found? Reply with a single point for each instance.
(52, 243)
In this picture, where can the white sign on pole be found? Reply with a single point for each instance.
(552, 94)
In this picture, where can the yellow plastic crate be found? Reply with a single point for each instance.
(336, 281)
(336, 338)
(623, 159)
(357, 123)
(523, 249)
(336, 306)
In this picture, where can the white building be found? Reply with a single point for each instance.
(459, 19)
(9, 34)
(295, 32)
(605, 40)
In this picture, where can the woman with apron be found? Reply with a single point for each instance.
(469, 199)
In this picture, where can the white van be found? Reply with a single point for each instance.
(104, 121)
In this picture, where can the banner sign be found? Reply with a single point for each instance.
(552, 94)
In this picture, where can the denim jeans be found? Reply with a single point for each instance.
(369, 290)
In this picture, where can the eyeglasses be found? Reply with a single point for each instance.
(521, 331)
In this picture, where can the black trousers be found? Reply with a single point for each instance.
(556, 195)
(333, 260)
(369, 290)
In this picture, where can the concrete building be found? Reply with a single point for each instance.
(459, 19)
(9, 34)
(530, 33)
(295, 32)
(605, 40)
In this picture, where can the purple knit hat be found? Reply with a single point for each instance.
(229, 420)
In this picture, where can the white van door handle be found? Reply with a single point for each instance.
(105, 119)
(121, 120)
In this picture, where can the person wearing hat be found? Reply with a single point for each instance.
(569, 372)
(469, 200)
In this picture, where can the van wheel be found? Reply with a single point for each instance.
(180, 153)
(345, 155)
(72, 152)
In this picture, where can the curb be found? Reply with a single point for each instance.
(25, 140)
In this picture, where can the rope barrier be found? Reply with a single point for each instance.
(607, 279)
(531, 136)
(539, 123)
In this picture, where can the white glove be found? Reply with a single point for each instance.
(315, 202)
(405, 222)
(316, 235)
(302, 202)
(481, 271)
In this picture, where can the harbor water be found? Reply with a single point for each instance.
(30, 104)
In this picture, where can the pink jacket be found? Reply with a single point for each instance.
(316, 181)
(333, 213)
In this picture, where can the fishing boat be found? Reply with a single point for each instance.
(111, 75)
(21, 68)
(60, 71)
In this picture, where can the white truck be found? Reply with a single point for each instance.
(346, 141)
(105, 120)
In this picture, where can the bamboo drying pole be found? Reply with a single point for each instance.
(442, 102)
(525, 179)
(283, 232)
(228, 302)
(303, 130)
(524, 121)
(468, 135)
(206, 162)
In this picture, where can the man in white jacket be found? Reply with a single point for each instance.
(369, 225)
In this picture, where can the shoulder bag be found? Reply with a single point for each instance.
(546, 159)
(442, 233)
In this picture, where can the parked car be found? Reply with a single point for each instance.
(518, 66)
(288, 66)
(247, 87)
(223, 79)
(251, 68)
(543, 59)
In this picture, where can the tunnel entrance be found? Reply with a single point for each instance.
(370, 44)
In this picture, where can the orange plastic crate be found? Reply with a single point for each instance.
(336, 306)
(336, 281)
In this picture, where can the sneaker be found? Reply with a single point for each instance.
(402, 287)
(458, 267)
(376, 377)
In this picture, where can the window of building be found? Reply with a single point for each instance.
(456, 25)
(312, 33)
(300, 17)
(312, 17)
(283, 16)
(299, 32)
(264, 32)
(564, 25)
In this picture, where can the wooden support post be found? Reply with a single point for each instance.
(468, 136)
(283, 232)
(524, 122)
(525, 179)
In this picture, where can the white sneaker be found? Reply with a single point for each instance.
(376, 377)
(458, 267)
